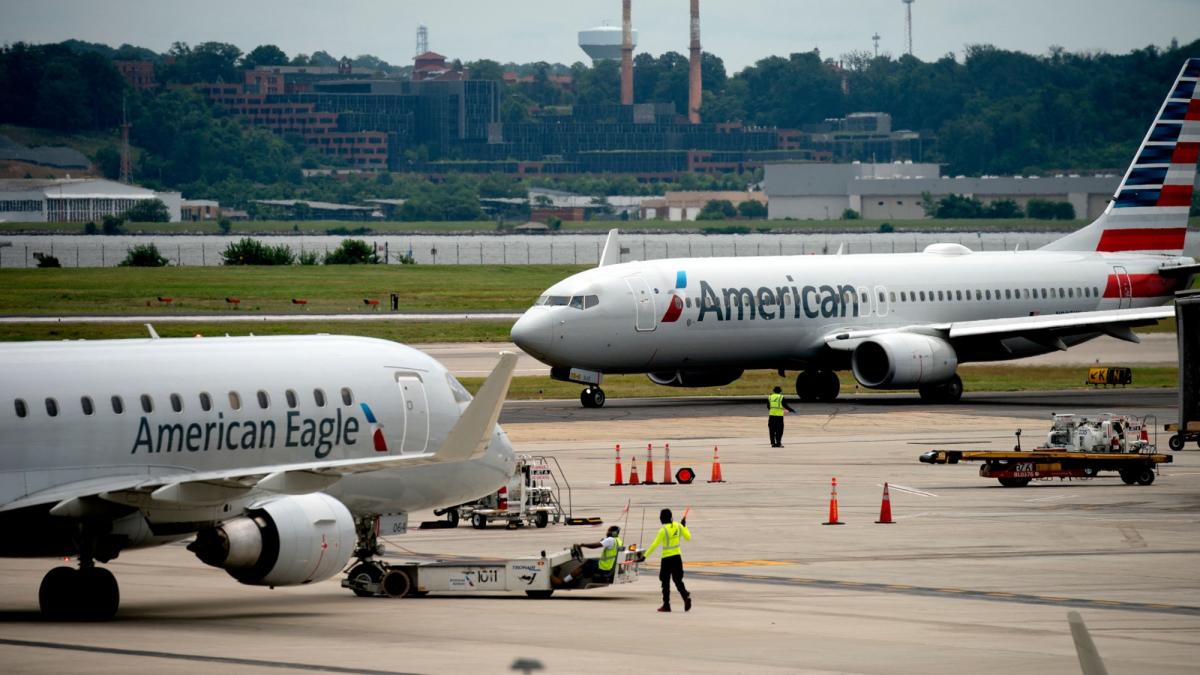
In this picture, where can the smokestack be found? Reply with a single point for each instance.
(694, 85)
(626, 54)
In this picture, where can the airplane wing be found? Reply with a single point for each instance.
(468, 439)
(1043, 328)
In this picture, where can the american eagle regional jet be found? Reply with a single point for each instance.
(283, 456)
(897, 321)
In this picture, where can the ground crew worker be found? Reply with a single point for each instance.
(775, 417)
(671, 567)
(600, 569)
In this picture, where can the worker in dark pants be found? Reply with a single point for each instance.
(671, 568)
(775, 417)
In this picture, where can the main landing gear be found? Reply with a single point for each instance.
(592, 397)
(817, 385)
(88, 593)
(947, 392)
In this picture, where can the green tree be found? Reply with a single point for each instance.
(108, 161)
(486, 69)
(1003, 208)
(264, 55)
(247, 251)
(112, 225)
(850, 214)
(752, 209)
(717, 209)
(143, 255)
(353, 252)
(148, 211)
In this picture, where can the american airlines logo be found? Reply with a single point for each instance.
(320, 434)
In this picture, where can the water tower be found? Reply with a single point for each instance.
(603, 43)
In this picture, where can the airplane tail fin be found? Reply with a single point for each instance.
(1149, 212)
(612, 250)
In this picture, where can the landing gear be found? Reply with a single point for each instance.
(366, 574)
(88, 593)
(818, 385)
(592, 397)
(946, 392)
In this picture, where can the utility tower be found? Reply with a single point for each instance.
(908, 25)
(422, 40)
(875, 39)
(126, 172)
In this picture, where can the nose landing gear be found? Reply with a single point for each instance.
(592, 397)
(88, 593)
(818, 385)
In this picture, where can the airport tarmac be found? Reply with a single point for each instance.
(972, 578)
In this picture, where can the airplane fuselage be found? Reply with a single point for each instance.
(775, 312)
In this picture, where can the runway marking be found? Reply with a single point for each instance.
(740, 563)
(911, 491)
(961, 593)
(258, 663)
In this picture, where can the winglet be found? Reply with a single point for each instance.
(612, 250)
(470, 436)
(153, 333)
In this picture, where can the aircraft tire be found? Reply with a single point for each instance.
(806, 384)
(59, 592)
(99, 594)
(948, 392)
(828, 386)
(592, 397)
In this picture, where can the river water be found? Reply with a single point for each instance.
(192, 250)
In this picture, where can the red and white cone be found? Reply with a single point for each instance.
(885, 509)
(618, 479)
(833, 505)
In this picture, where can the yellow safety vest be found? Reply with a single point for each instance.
(776, 401)
(668, 536)
(608, 557)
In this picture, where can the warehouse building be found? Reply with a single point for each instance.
(74, 200)
(894, 191)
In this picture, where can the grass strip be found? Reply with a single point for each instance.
(408, 332)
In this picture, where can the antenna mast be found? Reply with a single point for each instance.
(125, 163)
(908, 24)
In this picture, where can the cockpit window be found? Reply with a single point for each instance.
(590, 301)
(577, 301)
(557, 300)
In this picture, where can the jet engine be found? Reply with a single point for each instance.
(284, 542)
(694, 378)
(902, 361)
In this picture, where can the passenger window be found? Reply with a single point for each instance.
(235, 401)
(1095, 292)
(147, 403)
(940, 298)
(51, 407)
(903, 296)
(1070, 292)
(22, 409)
(176, 403)
(291, 398)
(89, 408)
(347, 396)
(958, 295)
(1061, 293)
(118, 405)
(264, 401)
(922, 296)
(891, 295)
(978, 294)
(988, 294)
(319, 398)
(205, 401)
(1007, 294)
(1043, 294)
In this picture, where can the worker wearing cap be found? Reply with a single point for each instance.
(775, 414)
(600, 569)
(669, 537)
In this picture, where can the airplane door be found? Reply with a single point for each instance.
(643, 301)
(1124, 287)
(415, 436)
(882, 305)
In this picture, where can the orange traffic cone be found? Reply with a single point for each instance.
(649, 465)
(833, 509)
(633, 477)
(885, 509)
(667, 466)
(716, 468)
(618, 479)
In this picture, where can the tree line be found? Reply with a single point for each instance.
(993, 111)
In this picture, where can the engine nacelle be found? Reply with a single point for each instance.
(285, 542)
(903, 360)
(694, 378)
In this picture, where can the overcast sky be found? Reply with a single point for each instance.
(739, 31)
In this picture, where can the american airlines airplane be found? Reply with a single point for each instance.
(897, 321)
(283, 456)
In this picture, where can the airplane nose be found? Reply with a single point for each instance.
(533, 332)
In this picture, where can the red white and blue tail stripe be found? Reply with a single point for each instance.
(1149, 212)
